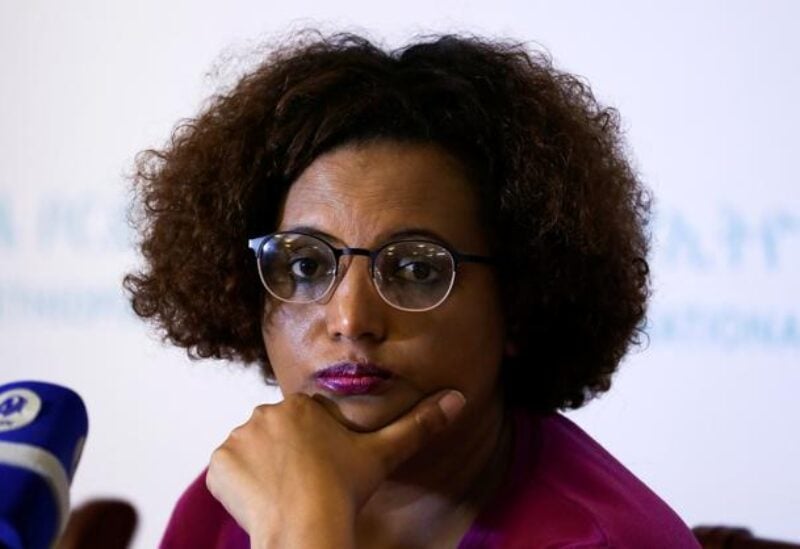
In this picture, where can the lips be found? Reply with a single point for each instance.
(351, 378)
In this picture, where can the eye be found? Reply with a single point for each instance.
(305, 268)
(417, 271)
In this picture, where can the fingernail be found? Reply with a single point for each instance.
(451, 404)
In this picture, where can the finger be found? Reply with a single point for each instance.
(405, 436)
(333, 410)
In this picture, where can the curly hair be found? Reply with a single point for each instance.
(567, 213)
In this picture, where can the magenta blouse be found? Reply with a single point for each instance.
(563, 490)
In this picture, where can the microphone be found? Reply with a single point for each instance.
(42, 431)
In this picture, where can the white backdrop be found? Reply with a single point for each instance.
(707, 415)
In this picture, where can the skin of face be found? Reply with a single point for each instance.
(359, 195)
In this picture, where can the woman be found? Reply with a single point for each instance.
(430, 250)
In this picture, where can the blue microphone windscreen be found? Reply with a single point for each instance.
(29, 516)
(59, 426)
(42, 430)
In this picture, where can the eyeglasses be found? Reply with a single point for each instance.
(411, 275)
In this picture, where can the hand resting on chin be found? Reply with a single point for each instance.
(294, 476)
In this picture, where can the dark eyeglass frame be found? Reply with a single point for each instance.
(256, 244)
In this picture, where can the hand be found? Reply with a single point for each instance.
(293, 476)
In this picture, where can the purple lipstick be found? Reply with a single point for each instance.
(351, 378)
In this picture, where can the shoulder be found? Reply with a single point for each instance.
(565, 490)
(200, 521)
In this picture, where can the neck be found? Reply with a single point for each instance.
(434, 497)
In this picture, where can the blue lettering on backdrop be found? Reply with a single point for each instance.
(726, 327)
(62, 304)
(61, 220)
(776, 230)
(84, 222)
(739, 243)
(681, 241)
(734, 236)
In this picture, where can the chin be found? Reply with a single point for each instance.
(366, 414)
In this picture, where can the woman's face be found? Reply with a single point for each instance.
(370, 361)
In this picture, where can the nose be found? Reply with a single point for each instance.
(354, 310)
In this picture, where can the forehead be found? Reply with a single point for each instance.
(359, 194)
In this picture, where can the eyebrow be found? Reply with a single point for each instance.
(411, 232)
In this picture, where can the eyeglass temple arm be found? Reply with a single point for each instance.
(255, 243)
(467, 258)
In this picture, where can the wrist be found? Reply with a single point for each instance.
(312, 525)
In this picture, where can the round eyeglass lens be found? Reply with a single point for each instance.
(297, 268)
(414, 276)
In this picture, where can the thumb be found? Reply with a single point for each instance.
(405, 436)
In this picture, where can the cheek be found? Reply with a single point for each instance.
(483, 338)
(467, 349)
(286, 341)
